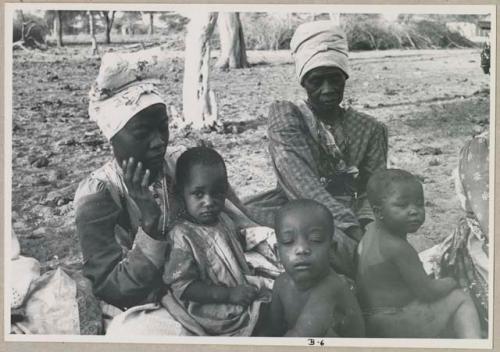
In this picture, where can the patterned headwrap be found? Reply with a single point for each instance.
(127, 83)
(316, 44)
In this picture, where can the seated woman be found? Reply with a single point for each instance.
(320, 150)
(125, 208)
(464, 254)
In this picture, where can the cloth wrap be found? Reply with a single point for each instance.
(317, 44)
(127, 83)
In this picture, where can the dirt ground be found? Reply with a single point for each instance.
(431, 101)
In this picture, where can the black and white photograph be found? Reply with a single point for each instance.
(306, 175)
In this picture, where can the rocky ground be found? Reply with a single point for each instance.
(431, 101)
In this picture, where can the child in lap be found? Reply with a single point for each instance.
(210, 290)
(310, 299)
(396, 295)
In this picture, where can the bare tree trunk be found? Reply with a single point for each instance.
(335, 18)
(151, 23)
(58, 28)
(54, 27)
(92, 33)
(22, 26)
(21, 41)
(199, 105)
(148, 19)
(109, 24)
(232, 42)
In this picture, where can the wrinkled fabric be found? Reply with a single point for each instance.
(261, 253)
(51, 307)
(123, 263)
(318, 44)
(23, 272)
(214, 256)
(112, 113)
(145, 320)
(467, 256)
(464, 254)
(306, 168)
(126, 84)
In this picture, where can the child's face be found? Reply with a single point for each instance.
(304, 240)
(204, 193)
(145, 138)
(403, 211)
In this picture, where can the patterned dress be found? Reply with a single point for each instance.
(212, 255)
(327, 163)
(465, 253)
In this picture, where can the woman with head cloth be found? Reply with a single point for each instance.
(464, 254)
(125, 208)
(320, 150)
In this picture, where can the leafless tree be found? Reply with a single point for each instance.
(58, 29)
(109, 17)
(92, 33)
(199, 104)
(232, 42)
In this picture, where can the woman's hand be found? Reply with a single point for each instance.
(137, 181)
(243, 294)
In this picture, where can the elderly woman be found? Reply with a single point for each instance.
(320, 150)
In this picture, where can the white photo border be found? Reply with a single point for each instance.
(186, 8)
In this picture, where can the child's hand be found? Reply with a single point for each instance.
(243, 294)
(137, 181)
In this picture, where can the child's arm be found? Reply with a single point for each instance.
(412, 271)
(354, 324)
(317, 316)
(277, 325)
(200, 292)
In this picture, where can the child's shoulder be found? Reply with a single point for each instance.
(336, 282)
(333, 289)
(393, 246)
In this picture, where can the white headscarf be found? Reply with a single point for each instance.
(126, 84)
(317, 44)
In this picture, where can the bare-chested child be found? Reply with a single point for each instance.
(397, 297)
(309, 298)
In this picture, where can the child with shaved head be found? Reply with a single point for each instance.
(397, 297)
(309, 298)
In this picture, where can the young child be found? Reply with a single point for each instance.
(397, 297)
(310, 299)
(210, 292)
